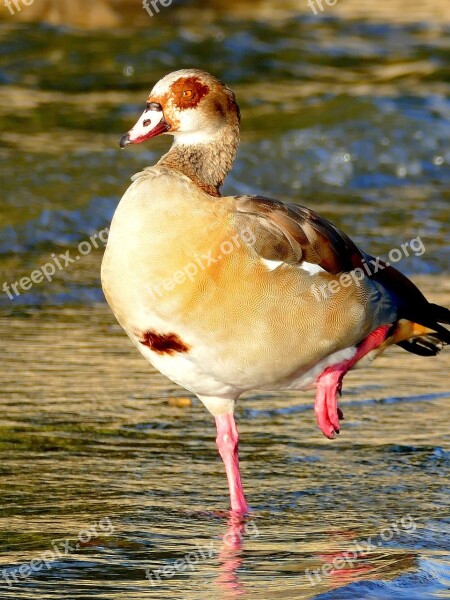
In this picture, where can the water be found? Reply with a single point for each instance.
(350, 117)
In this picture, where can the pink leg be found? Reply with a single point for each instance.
(227, 443)
(329, 383)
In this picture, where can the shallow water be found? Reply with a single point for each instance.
(348, 117)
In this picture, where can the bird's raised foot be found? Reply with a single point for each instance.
(329, 384)
(326, 406)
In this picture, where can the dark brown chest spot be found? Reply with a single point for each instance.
(163, 343)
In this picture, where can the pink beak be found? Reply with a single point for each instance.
(150, 124)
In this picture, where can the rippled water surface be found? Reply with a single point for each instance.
(98, 451)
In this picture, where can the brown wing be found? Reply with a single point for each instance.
(293, 234)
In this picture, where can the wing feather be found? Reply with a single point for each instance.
(291, 233)
(294, 234)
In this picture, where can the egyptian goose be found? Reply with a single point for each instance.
(220, 293)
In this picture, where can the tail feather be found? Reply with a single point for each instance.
(419, 328)
(433, 317)
(429, 345)
(425, 338)
(441, 332)
(440, 313)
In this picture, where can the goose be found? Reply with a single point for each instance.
(227, 294)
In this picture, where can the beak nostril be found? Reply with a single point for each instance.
(146, 123)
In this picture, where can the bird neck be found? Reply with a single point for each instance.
(205, 160)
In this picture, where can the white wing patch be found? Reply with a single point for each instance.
(272, 264)
(310, 268)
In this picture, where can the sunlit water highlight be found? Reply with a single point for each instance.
(350, 118)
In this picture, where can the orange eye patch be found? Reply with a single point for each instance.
(188, 91)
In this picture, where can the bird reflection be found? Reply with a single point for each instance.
(230, 553)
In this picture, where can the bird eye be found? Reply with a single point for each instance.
(186, 93)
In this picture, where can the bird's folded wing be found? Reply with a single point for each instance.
(294, 234)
